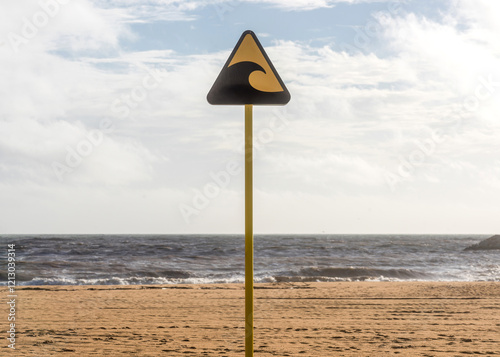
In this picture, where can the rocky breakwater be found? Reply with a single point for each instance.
(487, 244)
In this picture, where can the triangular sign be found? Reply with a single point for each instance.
(248, 77)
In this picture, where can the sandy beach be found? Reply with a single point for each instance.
(299, 319)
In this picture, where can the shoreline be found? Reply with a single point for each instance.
(183, 285)
(307, 319)
(238, 285)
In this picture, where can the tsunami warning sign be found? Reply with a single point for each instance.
(248, 77)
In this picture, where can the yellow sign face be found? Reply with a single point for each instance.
(248, 77)
(249, 52)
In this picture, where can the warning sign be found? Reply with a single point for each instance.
(248, 77)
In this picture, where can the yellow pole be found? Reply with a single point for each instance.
(248, 231)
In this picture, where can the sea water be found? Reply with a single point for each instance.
(175, 259)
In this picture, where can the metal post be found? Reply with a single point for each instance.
(248, 231)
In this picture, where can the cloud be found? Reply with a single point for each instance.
(353, 117)
(182, 10)
(56, 25)
(87, 209)
(441, 51)
(328, 173)
(53, 102)
(307, 5)
(136, 11)
(481, 25)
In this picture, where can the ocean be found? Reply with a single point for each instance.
(191, 259)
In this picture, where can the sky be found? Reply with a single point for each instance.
(393, 126)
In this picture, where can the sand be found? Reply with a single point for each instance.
(300, 319)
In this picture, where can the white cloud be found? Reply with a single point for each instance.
(352, 117)
(53, 103)
(136, 11)
(41, 26)
(306, 5)
(179, 10)
(87, 209)
(481, 19)
(441, 51)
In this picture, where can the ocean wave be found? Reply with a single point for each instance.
(353, 274)
(135, 280)
(310, 274)
(151, 280)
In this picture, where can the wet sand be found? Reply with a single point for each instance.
(299, 319)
